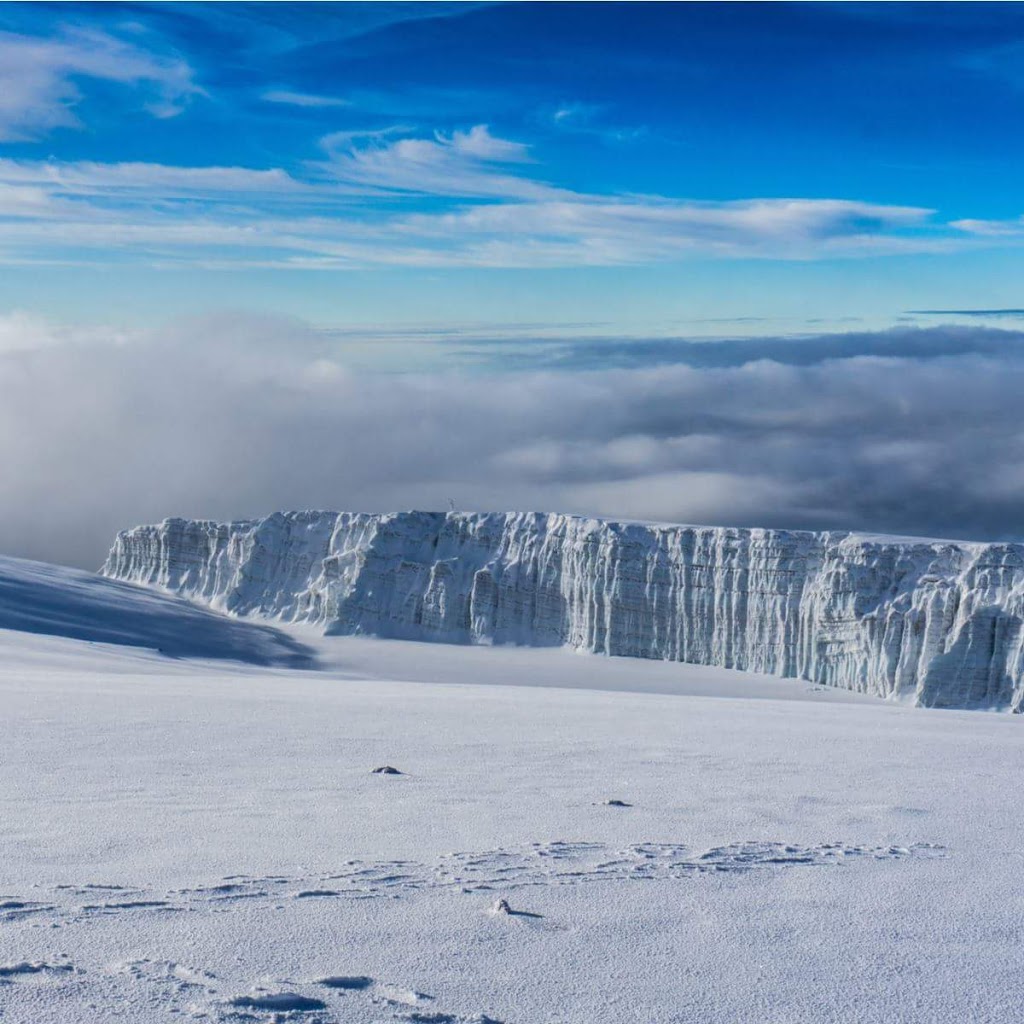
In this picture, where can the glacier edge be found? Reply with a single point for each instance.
(938, 623)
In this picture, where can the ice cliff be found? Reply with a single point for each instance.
(936, 622)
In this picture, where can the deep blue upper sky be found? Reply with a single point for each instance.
(628, 167)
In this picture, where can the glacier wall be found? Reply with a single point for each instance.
(935, 622)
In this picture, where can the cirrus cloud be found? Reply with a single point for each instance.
(387, 198)
(40, 76)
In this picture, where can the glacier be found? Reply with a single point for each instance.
(932, 622)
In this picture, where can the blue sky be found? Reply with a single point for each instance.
(627, 169)
(754, 265)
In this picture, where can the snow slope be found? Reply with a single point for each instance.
(39, 598)
(938, 623)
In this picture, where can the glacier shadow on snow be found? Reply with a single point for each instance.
(56, 601)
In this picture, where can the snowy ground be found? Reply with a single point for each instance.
(195, 839)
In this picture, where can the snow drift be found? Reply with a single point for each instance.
(936, 622)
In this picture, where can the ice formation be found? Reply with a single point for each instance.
(935, 622)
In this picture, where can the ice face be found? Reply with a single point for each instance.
(935, 622)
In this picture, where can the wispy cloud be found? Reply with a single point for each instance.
(303, 99)
(1013, 228)
(387, 198)
(152, 181)
(463, 164)
(609, 230)
(579, 118)
(341, 142)
(40, 76)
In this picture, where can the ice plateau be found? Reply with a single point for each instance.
(937, 623)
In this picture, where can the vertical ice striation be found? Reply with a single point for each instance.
(939, 622)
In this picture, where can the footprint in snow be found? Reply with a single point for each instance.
(347, 982)
(403, 996)
(13, 910)
(280, 1001)
(447, 1018)
(417, 1017)
(9, 972)
(495, 872)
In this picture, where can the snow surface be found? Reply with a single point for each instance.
(39, 598)
(939, 623)
(191, 839)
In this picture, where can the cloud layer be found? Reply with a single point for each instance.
(387, 198)
(916, 432)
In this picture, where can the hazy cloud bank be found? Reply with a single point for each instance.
(915, 431)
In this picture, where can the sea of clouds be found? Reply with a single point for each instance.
(906, 431)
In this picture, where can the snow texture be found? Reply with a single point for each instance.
(203, 842)
(936, 623)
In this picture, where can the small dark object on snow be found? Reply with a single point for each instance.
(385, 769)
(616, 803)
(502, 907)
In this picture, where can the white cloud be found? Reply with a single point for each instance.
(467, 165)
(22, 331)
(471, 205)
(479, 144)
(991, 228)
(26, 332)
(610, 230)
(155, 181)
(39, 76)
(573, 112)
(288, 97)
(342, 141)
(95, 435)
(25, 201)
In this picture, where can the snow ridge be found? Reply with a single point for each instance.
(938, 623)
